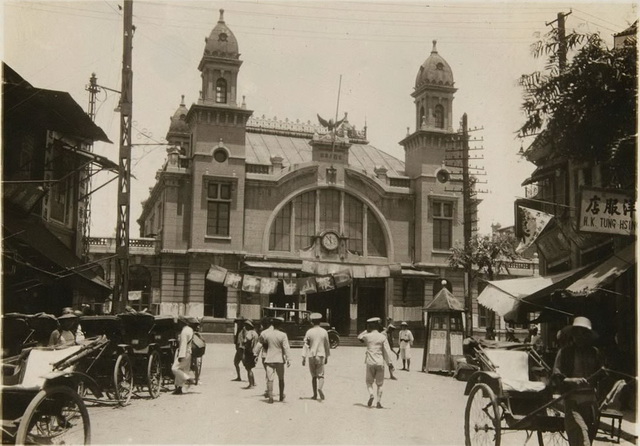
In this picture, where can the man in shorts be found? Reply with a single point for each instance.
(238, 340)
(377, 355)
(406, 340)
(316, 348)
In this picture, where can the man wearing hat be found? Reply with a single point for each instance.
(65, 333)
(276, 345)
(574, 365)
(378, 353)
(238, 340)
(249, 360)
(388, 332)
(316, 347)
(181, 367)
(406, 340)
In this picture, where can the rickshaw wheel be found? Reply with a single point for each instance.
(482, 417)
(123, 379)
(552, 439)
(196, 365)
(154, 374)
(56, 415)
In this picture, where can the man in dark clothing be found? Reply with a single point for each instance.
(238, 340)
(574, 364)
(389, 332)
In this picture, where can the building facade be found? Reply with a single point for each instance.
(287, 200)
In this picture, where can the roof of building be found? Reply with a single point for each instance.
(445, 301)
(52, 109)
(434, 71)
(294, 148)
(632, 30)
(221, 42)
(178, 120)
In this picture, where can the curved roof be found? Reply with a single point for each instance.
(178, 120)
(221, 42)
(260, 147)
(434, 71)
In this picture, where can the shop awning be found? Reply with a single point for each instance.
(94, 158)
(605, 272)
(278, 266)
(504, 296)
(406, 272)
(35, 245)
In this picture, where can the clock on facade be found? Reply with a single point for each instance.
(330, 241)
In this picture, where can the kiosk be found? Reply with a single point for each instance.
(444, 333)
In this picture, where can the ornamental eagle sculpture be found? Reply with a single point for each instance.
(330, 125)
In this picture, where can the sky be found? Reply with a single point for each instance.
(296, 56)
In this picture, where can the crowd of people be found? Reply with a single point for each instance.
(271, 347)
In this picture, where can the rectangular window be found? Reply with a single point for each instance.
(218, 209)
(279, 239)
(305, 208)
(62, 190)
(442, 224)
(353, 223)
(329, 210)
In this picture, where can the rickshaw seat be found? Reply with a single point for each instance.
(40, 362)
(513, 368)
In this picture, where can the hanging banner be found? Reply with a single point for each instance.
(135, 295)
(232, 280)
(290, 286)
(251, 284)
(342, 278)
(607, 211)
(533, 222)
(307, 285)
(216, 274)
(268, 285)
(325, 283)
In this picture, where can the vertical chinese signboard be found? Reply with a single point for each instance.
(607, 211)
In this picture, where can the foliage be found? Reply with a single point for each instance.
(588, 111)
(487, 255)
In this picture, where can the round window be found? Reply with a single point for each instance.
(220, 155)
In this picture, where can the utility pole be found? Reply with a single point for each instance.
(466, 204)
(121, 288)
(85, 186)
(562, 40)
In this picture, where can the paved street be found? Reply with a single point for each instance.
(419, 408)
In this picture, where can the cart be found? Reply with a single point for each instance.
(502, 397)
(40, 404)
(150, 341)
(15, 333)
(110, 367)
(164, 333)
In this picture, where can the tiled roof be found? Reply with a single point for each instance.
(260, 147)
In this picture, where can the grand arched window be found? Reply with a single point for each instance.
(313, 212)
(439, 116)
(221, 91)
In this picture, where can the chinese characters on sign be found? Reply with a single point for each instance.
(607, 211)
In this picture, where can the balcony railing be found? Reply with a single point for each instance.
(142, 246)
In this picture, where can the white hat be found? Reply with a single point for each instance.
(403, 323)
(582, 322)
(373, 320)
(315, 316)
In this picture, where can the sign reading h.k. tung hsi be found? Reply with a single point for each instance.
(607, 211)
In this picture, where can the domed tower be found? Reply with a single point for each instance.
(437, 208)
(179, 132)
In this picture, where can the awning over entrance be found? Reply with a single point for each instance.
(277, 266)
(605, 272)
(504, 296)
(409, 273)
(40, 249)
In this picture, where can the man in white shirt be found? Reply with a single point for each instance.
(316, 348)
(406, 340)
(378, 353)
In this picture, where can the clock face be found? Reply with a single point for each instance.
(330, 241)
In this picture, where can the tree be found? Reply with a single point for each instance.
(588, 110)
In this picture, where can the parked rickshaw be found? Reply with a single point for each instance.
(40, 404)
(15, 333)
(164, 333)
(110, 367)
(150, 338)
(42, 325)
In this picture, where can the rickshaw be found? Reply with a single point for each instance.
(151, 338)
(110, 367)
(42, 325)
(15, 333)
(512, 392)
(39, 399)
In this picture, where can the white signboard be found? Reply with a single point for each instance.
(438, 342)
(607, 211)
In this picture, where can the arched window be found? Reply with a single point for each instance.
(439, 115)
(221, 91)
(421, 117)
(339, 211)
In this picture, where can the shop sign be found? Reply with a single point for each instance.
(607, 211)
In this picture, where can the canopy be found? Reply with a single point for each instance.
(504, 296)
(605, 272)
(444, 301)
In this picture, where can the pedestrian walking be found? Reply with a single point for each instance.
(238, 339)
(574, 364)
(406, 341)
(388, 331)
(249, 360)
(276, 344)
(378, 353)
(260, 352)
(181, 367)
(316, 348)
